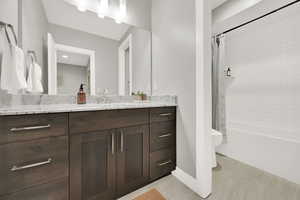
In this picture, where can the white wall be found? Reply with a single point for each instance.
(9, 12)
(181, 66)
(139, 13)
(259, 9)
(263, 100)
(69, 78)
(141, 59)
(106, 56)
(174, 61)
(34, 33)
(231, 8)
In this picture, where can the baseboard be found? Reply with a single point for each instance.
(186, 179)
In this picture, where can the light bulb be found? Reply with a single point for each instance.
(100, 15)
(102, 8)
(118, 21)
(81, 5)
(122, 12)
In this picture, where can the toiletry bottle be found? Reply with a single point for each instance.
(81, 97)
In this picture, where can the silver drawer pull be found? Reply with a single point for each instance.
(113, 144)
(29, 128)
(16, 168)
(122, 141)
(165, 114)
(166, 135)
(165, 163)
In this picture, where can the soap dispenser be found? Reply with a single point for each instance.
(81, 96)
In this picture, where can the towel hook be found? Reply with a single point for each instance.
(14, 33)
(32, 54)
(11, 27)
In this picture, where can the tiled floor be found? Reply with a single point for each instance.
(232, 180)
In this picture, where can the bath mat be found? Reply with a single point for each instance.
(151, 195)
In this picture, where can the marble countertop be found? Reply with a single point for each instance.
(61, 108)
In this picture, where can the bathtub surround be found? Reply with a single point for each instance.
(263, 100)
(219, 84)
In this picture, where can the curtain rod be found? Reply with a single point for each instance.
(258, 18)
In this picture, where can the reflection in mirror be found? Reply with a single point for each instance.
(72, 70)
(122, 52)
(68, 68)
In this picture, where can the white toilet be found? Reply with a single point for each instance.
(217, 139)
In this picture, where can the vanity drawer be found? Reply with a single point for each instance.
(163, 114)
(82, 122)
(162, 135)
(27, 164)
(56, 190)
(29, 127)
(162, 163)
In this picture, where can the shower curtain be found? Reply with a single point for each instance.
(218, 85)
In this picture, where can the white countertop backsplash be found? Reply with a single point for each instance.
(38, 104)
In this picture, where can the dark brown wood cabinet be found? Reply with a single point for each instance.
(54, 190)
(34, 157)
(163, 141)
(132, 158)
(99, 155)
(106, 164)
(92, 165)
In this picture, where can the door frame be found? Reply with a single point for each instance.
(127, 43)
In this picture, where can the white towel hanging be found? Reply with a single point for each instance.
(34, 78)
(12, 64)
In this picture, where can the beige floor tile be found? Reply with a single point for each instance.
(232, 180)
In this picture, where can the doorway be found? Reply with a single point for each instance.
(125, 67)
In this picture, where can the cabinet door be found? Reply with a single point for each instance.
(132, 159)
(92, 166)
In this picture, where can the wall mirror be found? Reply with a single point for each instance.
(95, 42)
(70, 67)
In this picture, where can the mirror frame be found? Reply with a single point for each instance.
(52, 67)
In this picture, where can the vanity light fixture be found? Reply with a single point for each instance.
(65, 56)
(122, 12)
(81, 5)
(102, 8)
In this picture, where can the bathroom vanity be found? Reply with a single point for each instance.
(98, 151)
(84, 154)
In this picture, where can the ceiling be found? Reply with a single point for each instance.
(216, 3)
(73, 58)
(64, 13)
